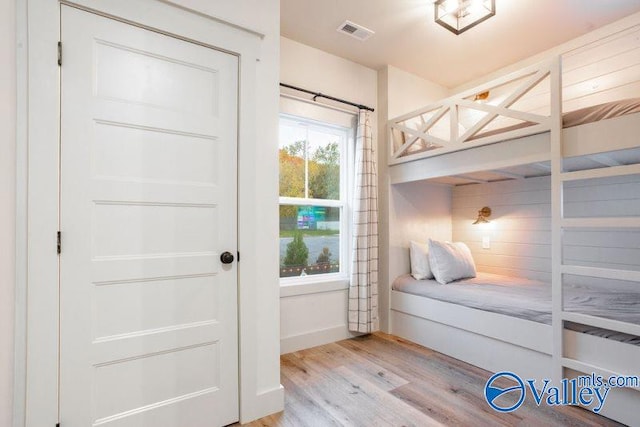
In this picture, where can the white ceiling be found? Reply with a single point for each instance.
(407, 37)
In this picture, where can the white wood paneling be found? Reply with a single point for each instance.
(485, 351)
(531, 149)
(603, 197)
(9, 221)
(600, 72)
(618, 133)
(520, 230)
(418, 211)
(398, 92)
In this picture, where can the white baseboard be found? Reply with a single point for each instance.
(266, 403)
(314, 338)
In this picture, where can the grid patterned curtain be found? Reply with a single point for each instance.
(363, 289)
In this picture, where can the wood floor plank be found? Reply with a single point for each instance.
(445, 393)
(383, 380)
(351, 398)
(440, 408)
(333, 356)
(385, 405)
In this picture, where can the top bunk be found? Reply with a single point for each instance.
(589, 97)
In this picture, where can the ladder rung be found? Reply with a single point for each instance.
(601, 172)
(586, 368)
(610, 222)
(602, 273)
(601, 322)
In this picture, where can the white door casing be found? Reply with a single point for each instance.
(148, 313)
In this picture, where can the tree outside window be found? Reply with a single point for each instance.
(312, 197)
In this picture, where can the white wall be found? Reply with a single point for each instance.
(320, 317)
(417, 211)
(520, 229)
(7, 205)
(408, 92)
(400, 92)
(314, 69)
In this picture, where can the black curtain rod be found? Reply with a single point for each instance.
(320, 95)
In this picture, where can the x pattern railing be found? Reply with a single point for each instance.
(411, 143)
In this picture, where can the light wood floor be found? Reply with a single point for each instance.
(382, 380)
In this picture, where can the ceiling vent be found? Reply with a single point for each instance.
(354, 30)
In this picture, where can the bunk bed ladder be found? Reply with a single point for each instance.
(597, 272)
(556, 218)
(559, 225)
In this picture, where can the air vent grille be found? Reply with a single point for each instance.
(354, 30)
(349, 29)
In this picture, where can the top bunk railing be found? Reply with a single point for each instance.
(483, 115)
(600, 71)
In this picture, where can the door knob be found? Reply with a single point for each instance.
(226, 257)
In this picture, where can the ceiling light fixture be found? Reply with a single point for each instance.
(458, 16)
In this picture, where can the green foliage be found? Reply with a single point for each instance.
(306, 233)
(297, 252)
(329, 154)
(324, 181)
(297, 149)
(323, 173)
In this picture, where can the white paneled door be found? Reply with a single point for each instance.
(148, 317)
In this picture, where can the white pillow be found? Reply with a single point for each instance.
(450, 261)
(419, 254)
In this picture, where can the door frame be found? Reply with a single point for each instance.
(38, 106)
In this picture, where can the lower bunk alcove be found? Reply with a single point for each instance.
(519, 245)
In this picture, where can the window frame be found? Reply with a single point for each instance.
(337, 280)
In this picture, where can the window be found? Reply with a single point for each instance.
(313, 198)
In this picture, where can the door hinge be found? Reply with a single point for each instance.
(238, 256)
(57, 424)
(59, 53)
(59, 242)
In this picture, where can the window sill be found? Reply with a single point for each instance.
(313, 287)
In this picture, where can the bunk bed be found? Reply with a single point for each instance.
(518, 119)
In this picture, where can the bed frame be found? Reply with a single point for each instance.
(493, 341)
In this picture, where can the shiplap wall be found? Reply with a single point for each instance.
(603, 71)
(520, 230)
(417, 211)
(604, 197)
(599, 72)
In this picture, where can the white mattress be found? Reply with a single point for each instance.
(531, 299)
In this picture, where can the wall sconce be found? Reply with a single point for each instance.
(481, 97)
(458, 16)
(483, 214)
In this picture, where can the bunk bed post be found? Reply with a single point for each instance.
(453, 121)
(390, 142)
(555, 76)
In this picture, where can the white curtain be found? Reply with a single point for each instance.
(363, 289)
